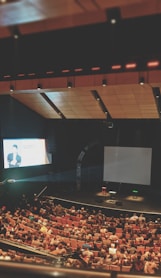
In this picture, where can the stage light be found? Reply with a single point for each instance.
(104, 82)
(69, 85)
(39, 86)
(15, 32)
(113, 15)
(156, 91)
(141, 80)
(11, 88)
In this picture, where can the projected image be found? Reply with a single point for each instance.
(13, 158)
(25, 152)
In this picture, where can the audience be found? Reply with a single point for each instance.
(86, 237)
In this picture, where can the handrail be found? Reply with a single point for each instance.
(18, 270)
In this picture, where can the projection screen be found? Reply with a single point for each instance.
(127, 165)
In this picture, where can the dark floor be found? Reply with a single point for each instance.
(144, 203)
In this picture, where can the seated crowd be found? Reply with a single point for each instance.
(85, 237)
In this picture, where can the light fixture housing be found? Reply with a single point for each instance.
(39, 86)
(69, 85)
(11, 88)
(141, 81)
(15, 32)
(113, 15)
(104, 82)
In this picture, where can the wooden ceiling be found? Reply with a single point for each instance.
(122, 98)
(122, 102)
(41, 15)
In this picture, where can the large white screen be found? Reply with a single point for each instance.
(127, 165)
(29, 152)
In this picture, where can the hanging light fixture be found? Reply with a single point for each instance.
(104, 82)
(11, 88)
(141, 80)
(69, 85)
(39, 86)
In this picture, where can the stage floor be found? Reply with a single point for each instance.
(141, 204)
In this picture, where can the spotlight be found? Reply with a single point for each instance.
(15, 32)
(69, 85)
(156, 91)
(104, 82)
(39, 86)
(16, 36)
(12, 88)
(157, 95)
(141, 80)
(113, 15)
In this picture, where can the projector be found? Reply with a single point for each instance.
(11, 181)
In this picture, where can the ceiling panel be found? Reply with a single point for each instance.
(28, 14)
(129, 101)
(77, 103)
(37, 103)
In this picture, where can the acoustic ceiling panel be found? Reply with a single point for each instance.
(129, 101)
(37, 103)
(77, 104)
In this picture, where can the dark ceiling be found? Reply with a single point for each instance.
(130, 40)
(61, 41)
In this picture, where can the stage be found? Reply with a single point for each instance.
(147, 203)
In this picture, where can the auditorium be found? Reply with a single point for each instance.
(80, 138)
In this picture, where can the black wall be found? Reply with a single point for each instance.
(67, 139)
(73, 136)
(133, 39)
(17, 121)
